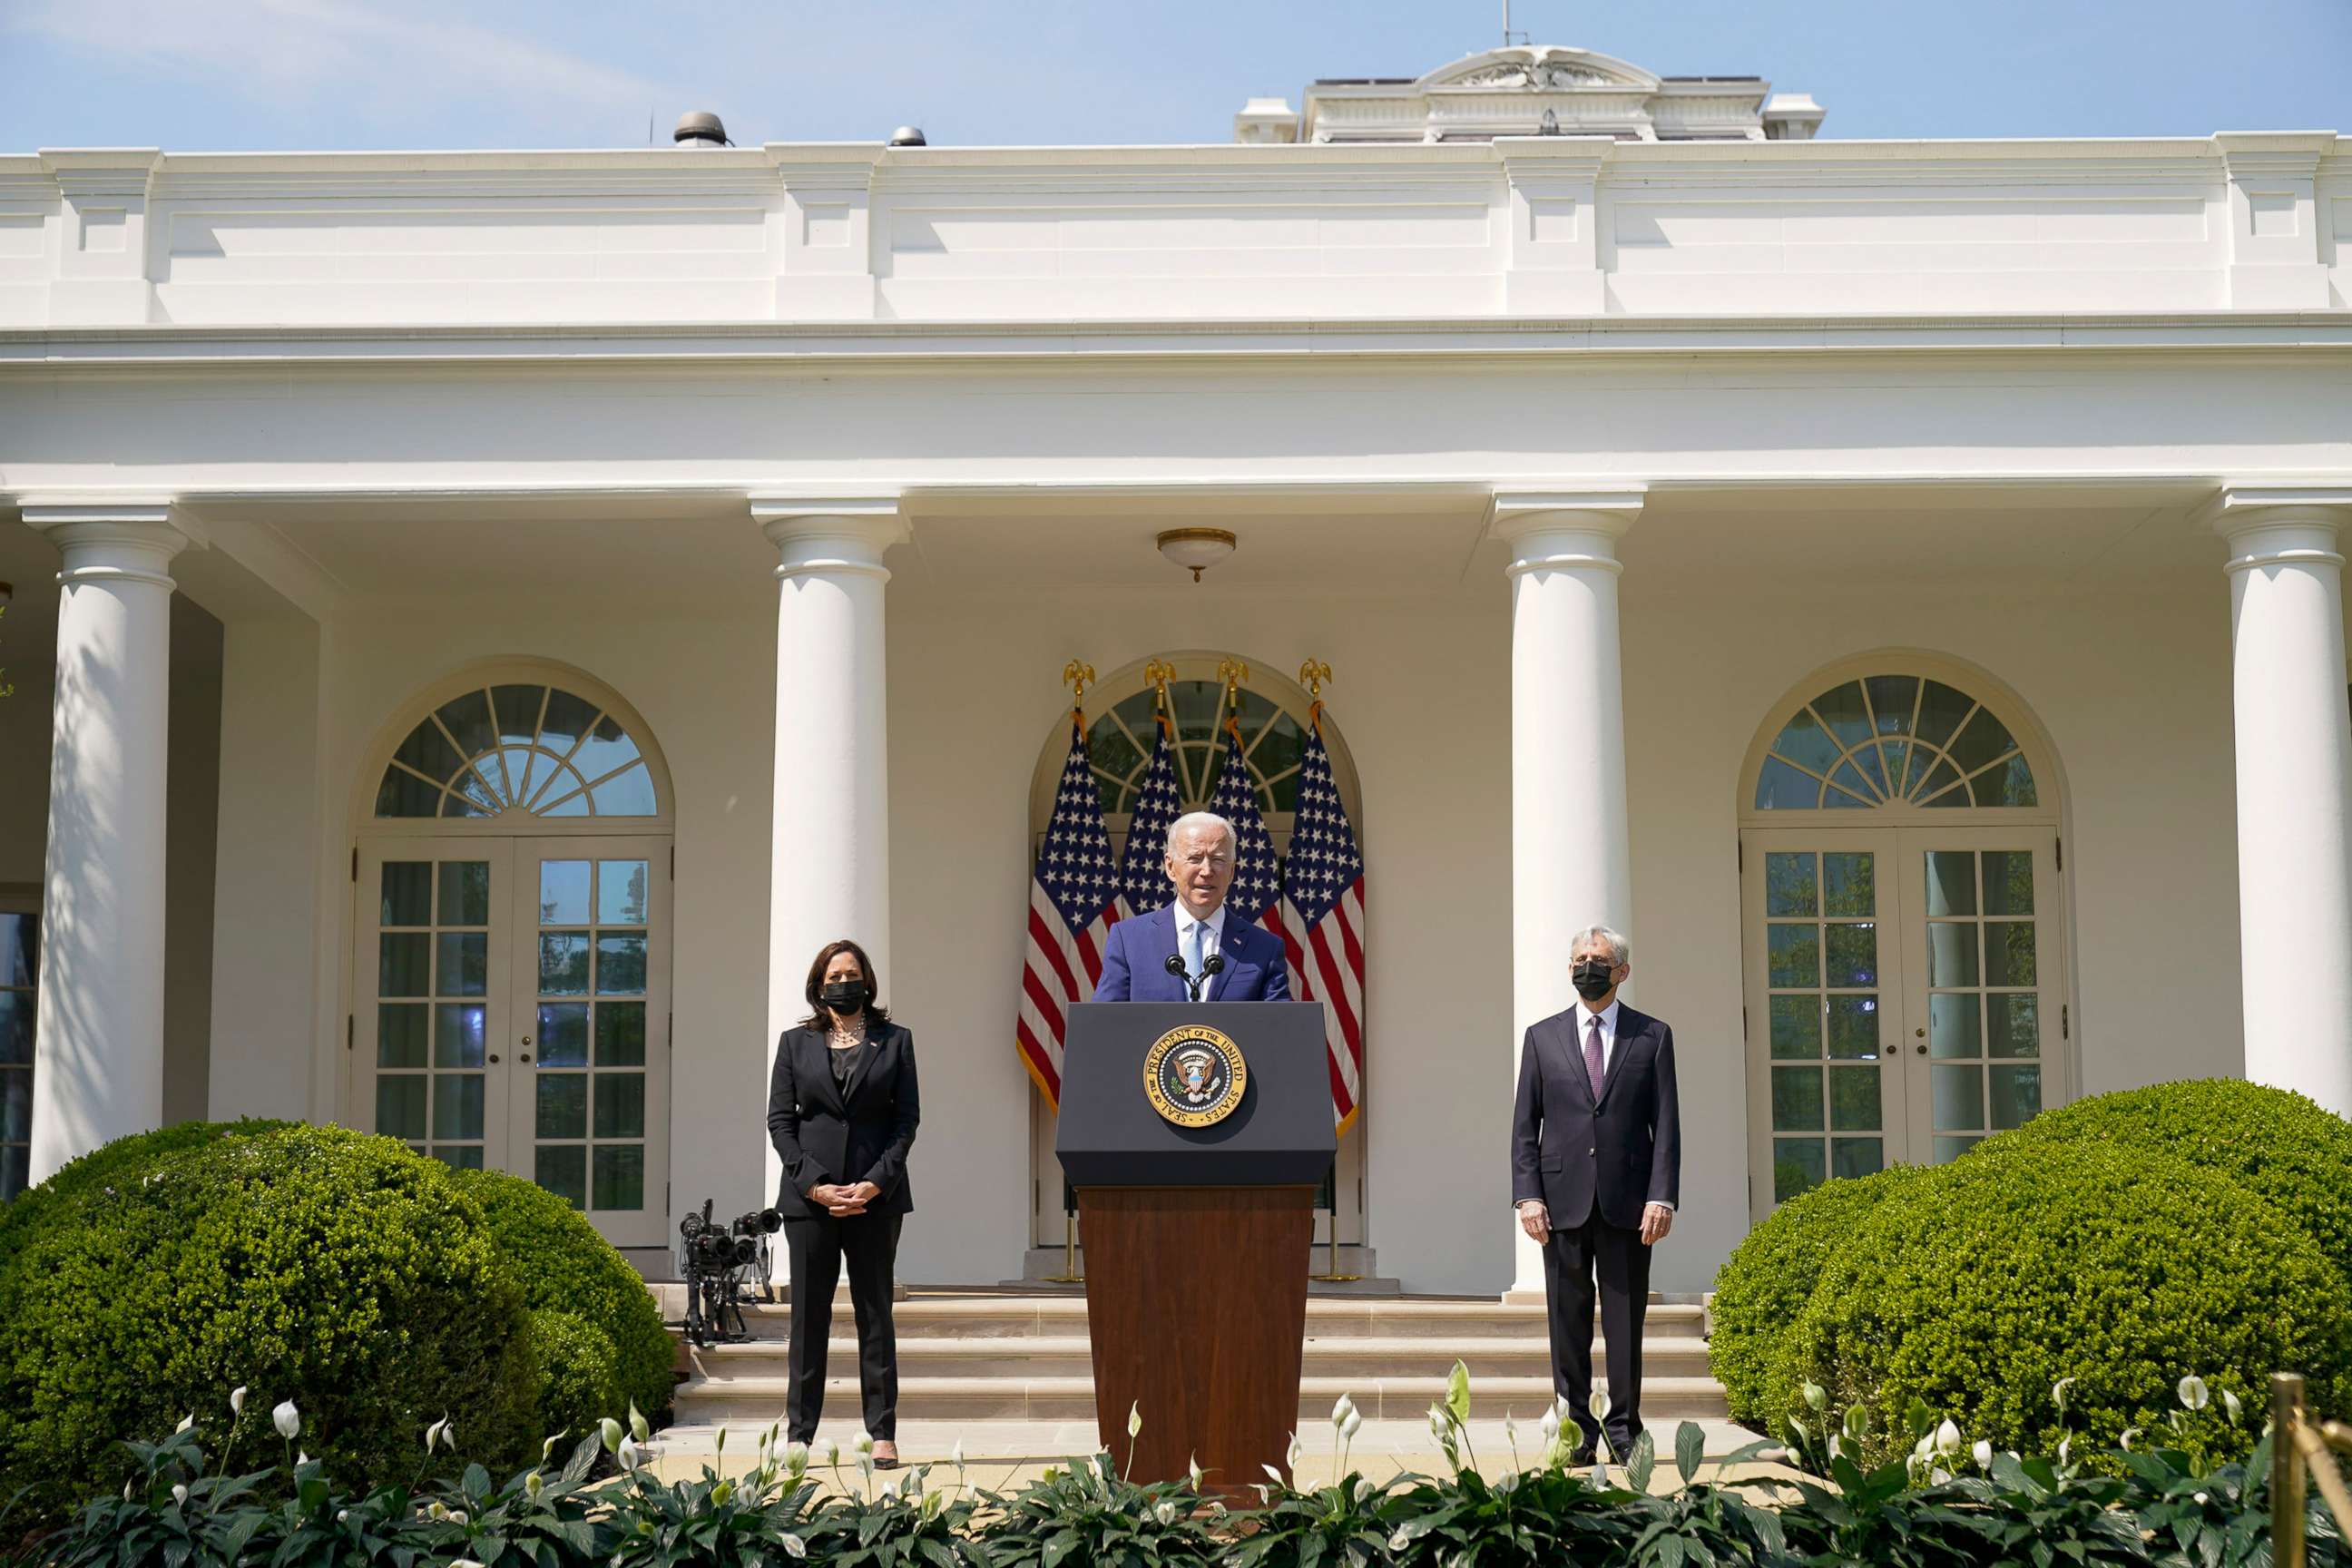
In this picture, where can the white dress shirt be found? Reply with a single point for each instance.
(1212, 931)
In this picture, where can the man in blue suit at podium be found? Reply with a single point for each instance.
(1189, 949)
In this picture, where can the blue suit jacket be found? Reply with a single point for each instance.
(1135, 962)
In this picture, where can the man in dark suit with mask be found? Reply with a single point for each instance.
(1596, 1171)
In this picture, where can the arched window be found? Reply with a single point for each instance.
(1883, 740)
(1121, 737)
(527, 749)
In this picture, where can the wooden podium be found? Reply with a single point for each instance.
(1197, 1238)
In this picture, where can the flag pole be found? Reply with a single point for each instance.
(1312, 675)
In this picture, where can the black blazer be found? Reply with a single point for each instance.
(859, 1132)
(1615, 1156)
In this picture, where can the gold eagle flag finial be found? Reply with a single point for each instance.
(1312, 675)
(1077, 675)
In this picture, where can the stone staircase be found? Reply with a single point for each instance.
(1020, 1358)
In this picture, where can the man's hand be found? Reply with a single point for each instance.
(1535, 1220)
(1656, 1220)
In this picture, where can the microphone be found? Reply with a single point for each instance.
(1213, 964)
(1175, 967)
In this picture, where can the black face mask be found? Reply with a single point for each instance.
(1593, 978)
(844, 996)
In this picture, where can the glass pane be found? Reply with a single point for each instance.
(1789, 888)
(468, 719)
(1841, 710)
(1951, 1149)
(621, 892)
(464, 960)
(16, 1027)
(400, 1029)
(1793, 954)
(407, 898)
(1797, 1027)
(2016, 1024)
(1851, 1157)
(1951, 953)
(464, 893)
(563, 1105)
(1867, 761)
(1951, 882)
(2016, 1095)
(620, 965)
(1959, 1096)
(403, 966)
(457, 1105)
(17, 1105)
(564, 963)
(1779, 787)
(511, 770)
(608, 746)
(2008, 883)
(1852, 955)
(1797, 1167)
(620, 1033)
(464, 1157)
(427, 750)
(1846, 778)
(621, 1177)
(1982, 740)
(567, 719)
(563, 1171)
(2010, 785)
(564, 795)
(1853, 1100)
(625, 794)
(1804, 740)
(1851, 883)
(1936, 789)
(464, 806)
(563, 892)
(400, 1105)
(563, 1033)
(403, 793)
(1838, 799)
(1955, 1024)
(1891, 699)
(20, 941)
(1941, 709)
(620, 1105)
(1853, 1027)
(2009, 952)
(15, 1171)
(1797, 1100)
(458, 1034)
(518, 710)
(1900, 774)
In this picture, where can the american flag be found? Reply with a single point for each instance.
(1257, 875)
(1070, 912)
(1158, 801)
(1322, 920)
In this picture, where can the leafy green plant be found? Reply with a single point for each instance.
(1088, 1514)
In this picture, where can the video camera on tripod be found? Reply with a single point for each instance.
(723, 1267)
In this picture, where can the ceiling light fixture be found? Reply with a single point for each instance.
(1197, 548)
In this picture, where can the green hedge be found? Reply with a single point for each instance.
(2271, 1140)
(2042, 1259)
(1771, 1276)
(580, 1291)
(21, 1215)
(334, 1268)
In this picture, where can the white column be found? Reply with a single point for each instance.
(2294, 765)
(1569, 866)
(97, 1055)
(829, 865)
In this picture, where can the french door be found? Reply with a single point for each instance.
(513, 1012)
(1905, 995)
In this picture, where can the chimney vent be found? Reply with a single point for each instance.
(909, 136)
(700, 128)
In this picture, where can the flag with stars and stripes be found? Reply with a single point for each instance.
(1159, 801)
(1257, 876)
(1322, 920)
(1070, 914)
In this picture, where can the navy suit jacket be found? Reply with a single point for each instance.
(1614, 1156)
(1135, 962)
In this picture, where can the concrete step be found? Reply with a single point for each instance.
(951, 1316)
(1361, 1356)
(1071, 1398)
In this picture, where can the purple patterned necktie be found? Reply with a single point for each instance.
(1592, 1060)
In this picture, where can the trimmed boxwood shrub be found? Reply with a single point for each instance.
(1771, 1276)
(580, 1290)
(330, 1267)
(1977, 1290)
(2273, 1140)
(21, 1215)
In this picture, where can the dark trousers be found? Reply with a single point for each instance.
(817, 1247)
(1571, 1260)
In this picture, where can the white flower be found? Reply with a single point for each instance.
(1983, 1454)
(1400, 1541)
(1817, 1398)
(2058, 1393)
(797, 1460)
(1134, 1419)
(1948, 1438)
(2066, 1449)
(630, 1455)
(609, 1430)
(463, 1562)
(288, 1420)
(1292, 1455)
(535, 1483)
(832, 1453)
(1340, 1410)
(1165, 1513)
(794, 1547)
(2200, 1499)
(638, 1428)
(1355, 1424)
(2194, 1394)
(864, 1443)
(1598, 1404)
(955, 1455)
(237, 1400)
(2230, 1402)
(302, 1456)
(1192, 1469)
(1550, 1425)
(433, 1434)
(2129, 1433)
(179, 1492)
(342, 1515)
(1363, 1489)
(126, 1492)
(185, 1422)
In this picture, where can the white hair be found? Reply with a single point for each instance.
(1620, 951)
(1192, 819)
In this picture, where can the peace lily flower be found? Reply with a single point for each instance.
(794, 1547)
(1948, 1438)
(865, 1445)
(2129, 1433)
(179, 1492)
(1134, 1419)
(1363, 1489)
(288, 1420)
(1354, 1423)
(237, 1400)
(630, 1455)
(955, 1456)
(1551, 1424)
(2066, 1449)
(185, 1422)
(832, 1453)
(1165, 1512)
(1292, 1455)
(2058, 1393)
(609, 1430)
(1983, 1454)
(1817, 1398)
(436, 1433)
(638, 1429)
(797, 1460)
(547, 1450)
(1192, 1469)
(1342, 1410)
(2194, 1393)
(535, 1483)
(2230, 1402)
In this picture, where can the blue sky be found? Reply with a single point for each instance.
(247, 74)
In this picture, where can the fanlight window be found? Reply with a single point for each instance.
(1890, 740)
(1120, 742)
(537, 750)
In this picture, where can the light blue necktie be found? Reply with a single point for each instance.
(1192, 949)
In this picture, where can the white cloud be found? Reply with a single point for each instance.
(308, 49)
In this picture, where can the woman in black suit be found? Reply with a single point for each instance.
(842, 1110)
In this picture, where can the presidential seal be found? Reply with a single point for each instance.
(1195, 1076)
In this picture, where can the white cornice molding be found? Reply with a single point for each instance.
(2255, 503)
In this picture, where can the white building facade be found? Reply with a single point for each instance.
(480, 621)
